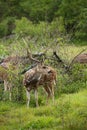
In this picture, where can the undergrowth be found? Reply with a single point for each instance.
(69, 112)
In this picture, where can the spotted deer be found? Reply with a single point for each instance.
(40, 76)
(5, 77)
(12, 63)
(8, 67)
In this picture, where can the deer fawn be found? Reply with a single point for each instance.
(40, 75)
(5, 77)
(7, 67)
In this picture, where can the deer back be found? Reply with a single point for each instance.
(82, 58)
(4, 71)
(39, 75)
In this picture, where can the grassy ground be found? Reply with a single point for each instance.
(68, 113)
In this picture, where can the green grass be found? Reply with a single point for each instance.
(68, 113)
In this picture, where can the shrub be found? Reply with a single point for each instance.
(6, 26)
(73, 82)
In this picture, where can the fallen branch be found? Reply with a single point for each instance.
(57, 57)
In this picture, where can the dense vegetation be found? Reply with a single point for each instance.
(45, 26)
(71, 14)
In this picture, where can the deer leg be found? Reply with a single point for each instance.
(48, 93)
(10, 92)
(28, 97)
(36, 97)
(10, 96)
(5, 85)
(52, 91)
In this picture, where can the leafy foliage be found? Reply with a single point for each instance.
(73, 15)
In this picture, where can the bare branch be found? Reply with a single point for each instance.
(29, 54)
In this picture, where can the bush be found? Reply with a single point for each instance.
(73, 82)
(6, 26)
(79, 71)
(45, 30)
(3, 51)
(73, 87)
